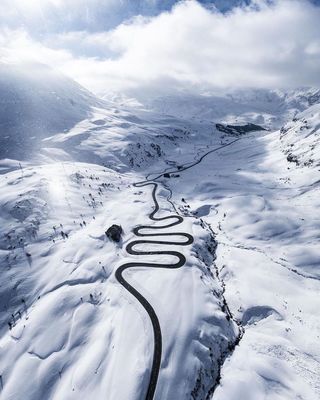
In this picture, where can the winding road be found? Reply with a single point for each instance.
(139, 232)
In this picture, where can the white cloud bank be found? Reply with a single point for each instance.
(192, 47)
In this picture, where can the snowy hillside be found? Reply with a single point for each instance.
(269, 108)
(36, 102)
(214, 297)
(301, 137)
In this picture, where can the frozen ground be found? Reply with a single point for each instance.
(264, 212)
(239, 320)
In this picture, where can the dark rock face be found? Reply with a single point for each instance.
(114, 233)
(292, 158)
(239, 129)
(314, 98)
(166, 175)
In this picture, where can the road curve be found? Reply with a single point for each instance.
(138, 231)
(130, 248)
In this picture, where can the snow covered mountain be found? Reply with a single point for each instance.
(301, 137)
(35, 103)
(270, 108)
(229, 263)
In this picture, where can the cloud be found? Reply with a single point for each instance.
(265, 44)
(44, 17)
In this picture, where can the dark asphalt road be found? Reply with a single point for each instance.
(138, 231)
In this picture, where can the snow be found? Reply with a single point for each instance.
(36, 102)
(267, 232)
(71, 323)
(239, 320)
(301, 137)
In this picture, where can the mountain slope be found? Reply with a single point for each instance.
(301, 137)
(238, 319)
(35, 103)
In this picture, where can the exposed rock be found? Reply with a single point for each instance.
(114, 233)
(292, 158)
(239, 129)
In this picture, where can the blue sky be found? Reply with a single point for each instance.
(132, 45)
(46, 16)
(43, 17)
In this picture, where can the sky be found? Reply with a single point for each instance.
(161, 46)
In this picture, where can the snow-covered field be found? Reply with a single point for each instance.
(239, 320)
(264, 212)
